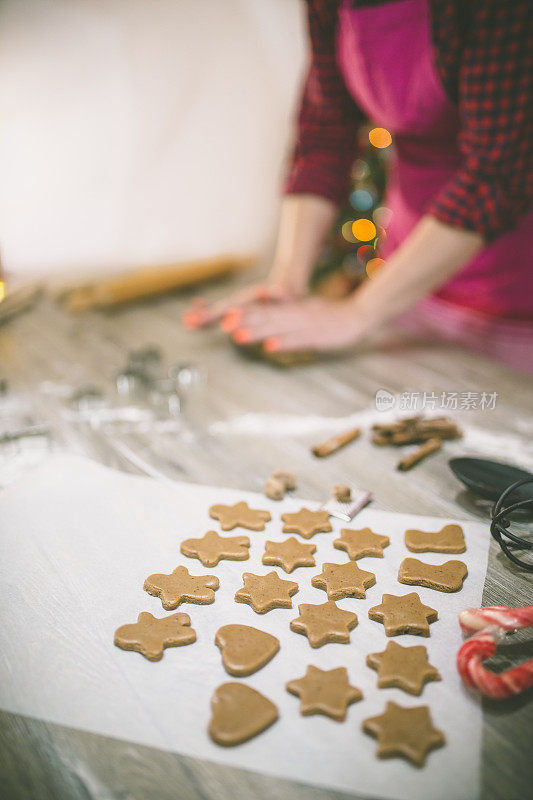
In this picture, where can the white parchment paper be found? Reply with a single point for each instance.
(78, 540)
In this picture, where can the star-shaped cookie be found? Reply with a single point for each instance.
(212, 548)
(406, 732)
(150, 635)
(325, 692)
(405, 668)
(361, 543)
(240, 515)
(324, 623)
(289, 554)
(343, 580)
(181, 587)
(306, 522)
(403, 614)
(265, 592)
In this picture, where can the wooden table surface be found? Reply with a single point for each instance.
(249, 419)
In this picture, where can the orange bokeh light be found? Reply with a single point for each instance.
(380, 137)
(364, 230)
(373, 266)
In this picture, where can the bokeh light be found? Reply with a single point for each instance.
(362, 200)
(360, 170)
(373, 266)
(364, 229)
(348, 233)
(380, 137)
(382, 216)
(365, 252)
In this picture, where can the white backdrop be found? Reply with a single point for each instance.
(142, 131)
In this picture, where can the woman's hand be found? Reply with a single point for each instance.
(201, 315)
(304, 222)
(306, 324)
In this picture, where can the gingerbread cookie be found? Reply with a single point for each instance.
(404, 614)
(279, 482)
(306, 522)
(449, 539)
(289, 554)
(406, 732)
(181, 587)
(405, 668)
(244, 649)
(343, 580)
(212, 548)
(265, 592)
(150, 635)
(287, 479)
(361, 543)
(239, 713)
(325, 692)
(324, 623)
(274, 489)
(446, 577)
(240, 515)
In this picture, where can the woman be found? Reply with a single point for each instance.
(453, 82)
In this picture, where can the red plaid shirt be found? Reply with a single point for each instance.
(483, 51)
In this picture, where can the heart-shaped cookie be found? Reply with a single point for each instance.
(239, 713)
(245, 649)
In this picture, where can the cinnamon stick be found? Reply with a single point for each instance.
(431, 446)
(415, 430)
(380, 441)
(335, 443)
(416, 437)
(392, 427)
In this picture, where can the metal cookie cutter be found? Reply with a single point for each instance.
(186, 375)
(487, 627)
(359, 498)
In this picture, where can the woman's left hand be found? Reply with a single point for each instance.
(307, 324)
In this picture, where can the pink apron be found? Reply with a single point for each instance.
(386, 57)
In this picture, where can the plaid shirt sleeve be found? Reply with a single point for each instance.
(494, 184)
(329, 118)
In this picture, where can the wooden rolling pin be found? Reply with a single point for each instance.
(18, 300)
(149, 281)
